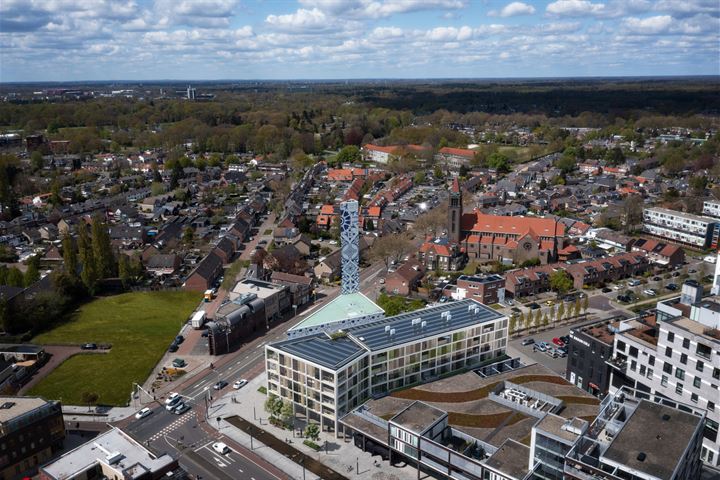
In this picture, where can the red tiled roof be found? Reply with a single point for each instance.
(327, 210)
(462, 152)
(480, 222)
(438, 249)
(378, 148)
(455, 186)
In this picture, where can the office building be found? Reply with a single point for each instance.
(31, 431)
(112, 455)
(326, 375)
(680, 227)
(487, 289)
(590, 348)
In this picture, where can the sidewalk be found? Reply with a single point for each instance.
(342, 455)
(73, 413)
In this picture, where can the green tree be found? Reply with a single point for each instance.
(188, 236)
(32, 274)
(538, 318)
(585, 304)
(69, 254)
(577, 307)
(286, 411)
(15, 277)
(36, 160)
(124, 270)
(568, 161)
(102, 248)
(157, 188)
(273, 405)
(419, 177)
(177, 174)
(348, 154)
(560, 282)
(89, 273)
(498, 162)
(89, 398)
(560, 311)
(55, 195)
(697, 184)
(513, 325)
(312, 431)
(3, 274)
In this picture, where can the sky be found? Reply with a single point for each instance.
(75, 40)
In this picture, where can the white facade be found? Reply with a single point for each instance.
(711, 208)
(681, 227)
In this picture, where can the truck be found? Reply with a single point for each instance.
(198, 319)
(208, 295)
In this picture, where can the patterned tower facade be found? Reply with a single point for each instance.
(350, 242)
(455, 212)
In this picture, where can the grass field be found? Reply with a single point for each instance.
(140, 327)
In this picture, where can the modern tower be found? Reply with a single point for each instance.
(350, 243)
(455, 212)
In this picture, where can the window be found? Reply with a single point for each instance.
(651, 360)
(649, 373)
(686, 343)
(679, 388)
(664, 381)
(711, 406)
(671, 337)
(680, 373)
(668, 352)
(642, 370)
(683, 359)
(694, 398)
(633, 352)
(667, 368)
(633, 365)
(697, 382)
(703, 350)
(621, 345)
(699, 366)
(716, 373)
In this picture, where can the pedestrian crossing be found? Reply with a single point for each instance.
(182, 420)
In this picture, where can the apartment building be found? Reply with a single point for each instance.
(454, 158)
(676, 356)
(686, 228)
(589, 350)
(711, 208)
(326, 375)
(487, 289)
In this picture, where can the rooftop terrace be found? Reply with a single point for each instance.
(349, 306)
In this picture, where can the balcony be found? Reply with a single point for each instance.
(618, 363)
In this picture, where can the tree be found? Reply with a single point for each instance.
(560, 311)
(32, 274)
(69, 254)
(157, 178)
(36, 160)
(89, 273)
(585, 304)
(348, 154)
(124, 270)
(567, 161)
(560, 282)
(273, 405)
(157, 188)
(498, 162)
(188, 236)
(89, 398)
(538, 318)
(632, 211)
(697, 184)
(391, 247)
(513, 324)
(55, 196)
(177, 174)
(286, 411)
(370, 225)
(102, 248)
(312, 431)
(522, 321)
(419, 177)
(577, 307)
(545, 320)
(15, 277)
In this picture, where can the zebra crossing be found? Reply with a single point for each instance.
(182, 420)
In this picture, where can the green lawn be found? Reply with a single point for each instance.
(140, 327)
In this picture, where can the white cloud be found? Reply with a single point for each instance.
(301, 19)
(380, 8)
(449, 34)
(575, 8)
(648, 26)
(559, 27)
(513, 9)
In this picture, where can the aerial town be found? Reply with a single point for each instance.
(488, 277)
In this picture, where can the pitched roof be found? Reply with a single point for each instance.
(462, 152)
(481, 222)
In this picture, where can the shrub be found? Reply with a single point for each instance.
(312, 445)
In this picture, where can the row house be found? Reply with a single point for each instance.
(660, 253)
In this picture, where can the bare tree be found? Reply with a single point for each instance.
(391, 247)
(432, 220)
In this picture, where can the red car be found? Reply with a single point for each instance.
(558, 342)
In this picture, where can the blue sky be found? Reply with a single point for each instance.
(61, 40)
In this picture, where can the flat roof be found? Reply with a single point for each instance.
(663, 445)
(418, 417)
(329, 352)
(21, 348)
(688, 216)
(555, 424)
(11, 407)
(694, 327)
(135, 459)
(342, 307)
(259, 287)
(463, 314)
(510, 459)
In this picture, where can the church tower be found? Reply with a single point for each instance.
(455, 212)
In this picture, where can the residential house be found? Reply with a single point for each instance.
(205, 273)
(660, 253)
(163, 264)
(405, 279)
(440, 254)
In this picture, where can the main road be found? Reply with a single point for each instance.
(190, 436)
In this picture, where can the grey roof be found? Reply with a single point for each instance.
(663, 445)
(375, 337)
(323, 350)
(418, 417)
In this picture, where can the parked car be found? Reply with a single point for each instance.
(89, 346)
(656, 279)
(606, 290)
(557, 341)
(179, 339)
(671, 286)
(220, 385)
(173, 347)
(565, 338)
(515, 310)
(676, 274)
(624, 298)
(509, 301)
(692, 270)
(649, 292)
(179, 363)
(633, 282)
(533, 306)
(542, 346)
(143, 413)
(528, 341)
(549, 303)
(220, 448)
(239, 384)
